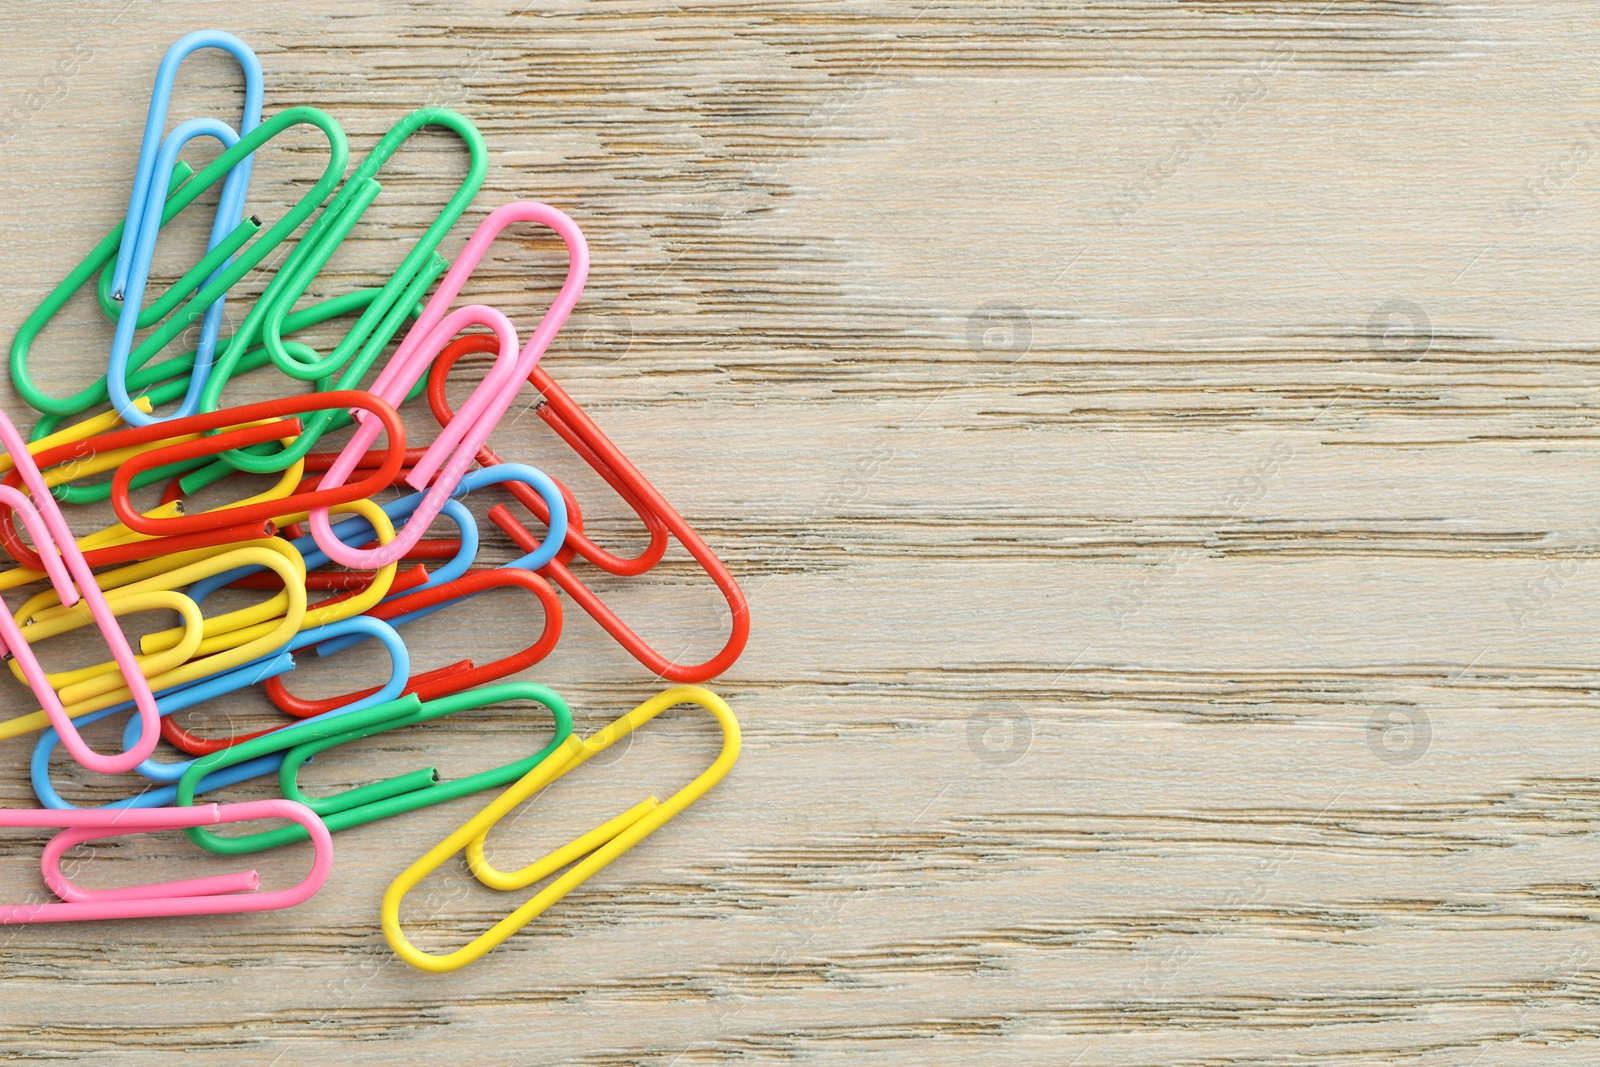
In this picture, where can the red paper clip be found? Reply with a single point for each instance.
(224, 525)
(462, 675)
(568, 419)
(379, 477)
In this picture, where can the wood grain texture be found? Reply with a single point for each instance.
(1157, 440)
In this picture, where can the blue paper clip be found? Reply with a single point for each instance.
(139, 275)
(167, 702)
(198, 692)
(143, 221)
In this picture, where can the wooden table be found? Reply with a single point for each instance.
(1156, 441)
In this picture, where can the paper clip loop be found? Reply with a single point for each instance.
(47, 309)
(238, 184)
(156, 158)
(593, 850)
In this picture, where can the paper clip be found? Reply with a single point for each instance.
(51, 305)
(133, 317)
(593, 851)
(123, 449)
(379, 800)
(195, 693)
(175, 533)
(393, 689)
(20, 576)
(578, 433)
(221, 271)
(355, 353)
(570, 421)
(156, 158)
(452, 452)
(349, 205)
(216, 895)
(385, 314)
(65, 565)
(332, 623)
(336, 618)
(457, 676)
(456, 553)
(119, 543)
(316, 501)
(403, 507)
(98, 260)
(238, 184)
(94, 688)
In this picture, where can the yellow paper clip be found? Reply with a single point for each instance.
(333, 609)
(271, 623)
(593, 850)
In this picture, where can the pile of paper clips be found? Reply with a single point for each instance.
(323, 510)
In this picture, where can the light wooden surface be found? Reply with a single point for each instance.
(1157, 441)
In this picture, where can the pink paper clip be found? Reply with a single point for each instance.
(470, 429)
(216, 895)
(54, 541)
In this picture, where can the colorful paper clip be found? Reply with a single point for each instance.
(457, 676)
(344, 604)
(231, 260)
(393, 689)
(158, 383)
(238, 184)
(177, 532)
(216, 895)
(95, 262)
(593, 851)
(136, 449)
(383, 316)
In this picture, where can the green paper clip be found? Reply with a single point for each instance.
(355, 353)
(378, 800)
(244, 245)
